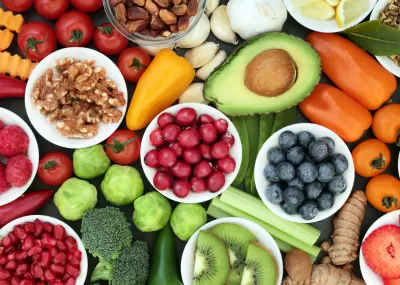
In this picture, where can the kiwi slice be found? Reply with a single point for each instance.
(260, 266)
(237, 239)
(211, 262)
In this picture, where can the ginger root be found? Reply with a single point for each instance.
(347, 226)
(328, 274)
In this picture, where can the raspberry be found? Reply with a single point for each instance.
(4, 185)
(13, 141)
(18, 170)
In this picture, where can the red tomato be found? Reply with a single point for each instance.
(132, 62)
(18, 5)
(55, 168)
(74, 29)
(87, 6)
(108, 40)
(51, 9)
(123, 147)
(37, 40)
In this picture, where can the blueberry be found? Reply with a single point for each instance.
(325, 201)
(293, 196)
(287, 140)
(289, 209)
(329, 142)
(305, 138)
(340, 162)
(296, 182)
(307, 172)
(295, 155)
(309, 210)
(318, 150)
(270, 173)
(326, 171)
(313, 190)
(274, 193)
(337, 185)
(286, 171)
(276, 155)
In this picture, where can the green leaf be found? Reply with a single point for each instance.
(376, 38)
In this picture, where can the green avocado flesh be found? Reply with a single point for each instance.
(226, 88)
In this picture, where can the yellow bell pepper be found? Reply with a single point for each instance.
(10, 21)
(159, 87)
(6, 38)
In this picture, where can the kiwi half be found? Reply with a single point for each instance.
(260, 268)
(237, 239)
(211, 262)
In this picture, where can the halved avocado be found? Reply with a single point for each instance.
(228, 86)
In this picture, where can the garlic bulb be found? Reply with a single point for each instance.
(202, 54)
(221, 27)
(204, 72)
(153, 50)
(193, 94)
(211, 6)
(198, 35)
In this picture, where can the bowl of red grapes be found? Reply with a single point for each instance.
(304, 173)
(191, 153)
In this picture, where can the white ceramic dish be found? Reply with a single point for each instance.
(235, 152)
(328, 26)
(385, 61)
(9, 118)
(370, 277)
(318, 131)
(48, 130)
(84, 263)
(263, 237)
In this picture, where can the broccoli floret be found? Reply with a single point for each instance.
(102, 271)
(105, 232)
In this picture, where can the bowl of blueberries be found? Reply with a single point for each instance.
(304, 173)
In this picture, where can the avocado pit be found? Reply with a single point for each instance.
(271, 73)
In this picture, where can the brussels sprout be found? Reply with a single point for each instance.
(74, 198)
(186, 219)
(152, 212)
(122, 185)
(90, 162)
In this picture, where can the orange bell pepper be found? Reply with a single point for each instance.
(353, 70)
(10, 21)
(331, 108)
(6, 38)
(159, 87)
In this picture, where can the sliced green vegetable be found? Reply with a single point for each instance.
(240, 126)
(285, 118)
(253, 127)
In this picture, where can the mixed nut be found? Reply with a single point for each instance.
(390, 16)
(155, 17)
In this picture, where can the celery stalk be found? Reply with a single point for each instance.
(221, 209)
(256, 208)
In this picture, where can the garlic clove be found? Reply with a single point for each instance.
(221, 27)
(211, 6)
(193, 94)
(202, 54)
(153, 50)
(198, 35)
(204, 72)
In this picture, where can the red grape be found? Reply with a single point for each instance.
(181, 170)
(228, 138)
(167, 157)
(185, 117)
(226, 165)
(221, 125)
(219, 150)
(156, 137)
(192, 155)
(202, 169)
(198, 185)
(181, 188)
(151, 159)
(171, 132)
(208, 133)
(215, 181)
(165, 119)
(189, 138)
(177, 148)
(206, 119)
(162, 180)
(205, 150)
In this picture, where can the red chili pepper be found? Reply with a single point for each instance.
(11, 87)
(26, 205)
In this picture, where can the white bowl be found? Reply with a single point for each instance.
(319, 132)
(48, 130)
(235, 152)
(9, 118)
(328, 26)
(385, 61)
(263, 237)
(370, 277)
(84, 263)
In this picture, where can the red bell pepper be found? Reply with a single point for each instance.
(27, 204)
(11, 87)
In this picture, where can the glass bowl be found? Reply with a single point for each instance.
(148, 40)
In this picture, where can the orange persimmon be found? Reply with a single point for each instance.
(383, 192)
(386, 124)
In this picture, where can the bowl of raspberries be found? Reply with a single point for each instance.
(19, 156)
(304, 173)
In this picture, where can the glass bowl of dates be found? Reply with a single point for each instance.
(304, 173)
(154, 22)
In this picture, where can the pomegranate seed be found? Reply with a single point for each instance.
(2, 250)
(6, 242)
(45, 258)
(20, 232)
(60, 257)
(36, 257)
(28, 243)
(15, 280)
(36, 270)
(3, 260)
(27, 282)
(71, 244)
(59, 232)
(53, 251)
(78, 254)
(73, 271)
(49, 275)
(4, 273)
(10, 249)
(70, 281)
(28, 276)
(29, 227)
(11, 256)
(75, 261)
(4, 282)
(48, 241)
(21, 255)
(35, 250)
(61, 245)
(57, 269)
(11, 265)
(37, 242)
(38, 227)
(21, 269)
(13, 237)
(56, 282)
(48, 227)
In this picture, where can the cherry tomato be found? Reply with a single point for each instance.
(55, 168)
(74, 29)
(87, 6)
(18, 6)
(51, 9)
(123, 147)
(37, 40)
(108, 40)
(133, 62)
